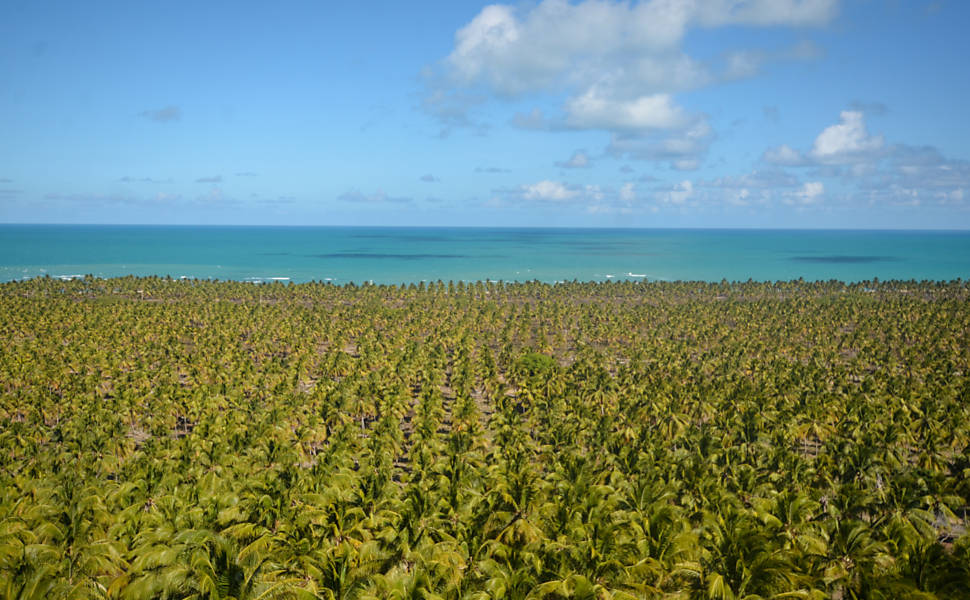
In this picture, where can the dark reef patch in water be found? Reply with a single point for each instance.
(594, 252)
(375, 255)
(839, 259)
(410, 238)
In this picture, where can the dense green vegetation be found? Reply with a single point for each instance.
(190, 439)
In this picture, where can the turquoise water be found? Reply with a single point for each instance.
(396, 255)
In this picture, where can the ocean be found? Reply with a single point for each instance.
(409, 255)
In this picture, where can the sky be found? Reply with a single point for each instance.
(658, 113)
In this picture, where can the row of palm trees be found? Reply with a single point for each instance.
(198, 439)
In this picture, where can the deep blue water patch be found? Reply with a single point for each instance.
(370, 255)
(412, 238)
(839, 259)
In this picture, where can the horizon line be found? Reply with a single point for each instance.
(519, 227)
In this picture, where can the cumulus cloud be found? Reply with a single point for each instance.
(555, 42)
(549, 191)
(558, 195)
(162, 115)
(492, 170)
(627, 193)
(846, 141)
(212, 179)
(451, 106)
(534, 119)
(598, 108)
(784, 155)
(215, 197)
(378, 197)
(846, 147)
(916, 174)
(763, 187)
(864, 168)
(713, 13)
(869, 168)
(924, 166)
(741, 197)
(616, 65)
(429, 178)
(741, 64)
(246, 174)
(680, 149)
(594, 109)
(678, 194)
(811, 192)
(579, 160)
(758, 179)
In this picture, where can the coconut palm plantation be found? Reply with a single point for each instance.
(183, 439)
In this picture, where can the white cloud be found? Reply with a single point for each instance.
(811, 192)
(450, 106)
(378, 197)
(744, 63)
(579, 160)
(679, 193)
(547, 190)
(770, 179)
(896, 174)
(784, 155)
(215, 197)
(594, 193)
(534, 119)
(561, 195)
(956, 196)
(847, 141)
(628, 193)
(845, 144)
(739, 198)
(668, 72)
(481, 47)
(682, 149)
(616, 64)
(595, 110)
(713, 13)
(555, 42)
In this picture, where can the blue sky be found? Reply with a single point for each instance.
(664, 113)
